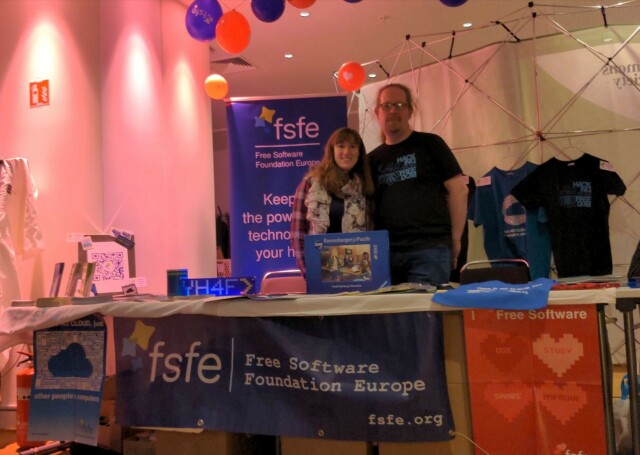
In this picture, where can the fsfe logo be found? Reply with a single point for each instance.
(302, 128)
(170, 366)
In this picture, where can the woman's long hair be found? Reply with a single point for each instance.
(331, 177)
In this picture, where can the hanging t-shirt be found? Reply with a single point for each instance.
(510, 231)
(19, 230)
(575, 196)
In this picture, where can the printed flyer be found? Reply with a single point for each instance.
(69, 364)
(535, 375)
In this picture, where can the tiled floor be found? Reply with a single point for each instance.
(7, 442)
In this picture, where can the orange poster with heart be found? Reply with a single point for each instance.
(534, 381)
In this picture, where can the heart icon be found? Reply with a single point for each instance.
(504, 351)
(562, 402)
(347, 76)
(559, 355)
(509, 399)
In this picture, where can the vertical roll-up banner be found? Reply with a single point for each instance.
(272, 144)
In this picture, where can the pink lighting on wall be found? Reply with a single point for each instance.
(185, 108)
(140, 83)
(45, 46)
(126, 139)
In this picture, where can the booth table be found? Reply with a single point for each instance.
(17, 323)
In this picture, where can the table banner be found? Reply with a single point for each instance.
(361, 377)
(535, 380)
(66, 394)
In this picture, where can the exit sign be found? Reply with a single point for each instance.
(39, 93)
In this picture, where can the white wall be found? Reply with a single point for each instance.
(126, 140)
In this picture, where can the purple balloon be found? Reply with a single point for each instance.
(202, 17)
(267, 10)
(453, 2)
(352, 1)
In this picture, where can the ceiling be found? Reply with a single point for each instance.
(384, 36)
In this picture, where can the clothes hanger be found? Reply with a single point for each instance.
(572, 147)
(514, 162)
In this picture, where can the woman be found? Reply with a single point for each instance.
(334, 196)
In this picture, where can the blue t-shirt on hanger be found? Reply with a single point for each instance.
(510, 231)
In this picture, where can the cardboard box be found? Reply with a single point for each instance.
(198, 442)
(306, 446)
(455, 355)
(459, 397)
(109, 433)
(139, 446)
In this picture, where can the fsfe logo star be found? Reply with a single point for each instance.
(267, 114)
(141, 334)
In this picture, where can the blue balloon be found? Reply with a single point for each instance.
(202, 17)
(453, 2)
(267, 10)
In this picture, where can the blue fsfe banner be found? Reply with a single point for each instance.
(272, 144)
(360, 377)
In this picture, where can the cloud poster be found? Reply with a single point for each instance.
(69, 364)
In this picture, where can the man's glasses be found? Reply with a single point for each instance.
(397, 106)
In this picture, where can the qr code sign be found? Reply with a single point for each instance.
(109, 266)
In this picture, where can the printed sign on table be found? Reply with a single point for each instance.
(535, 376)
(69, 364)
(360, 377)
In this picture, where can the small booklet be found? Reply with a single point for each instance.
(80, 279)
(91, 300)
(57, 279)
(86, 280)
(44, 302)
(75, 274)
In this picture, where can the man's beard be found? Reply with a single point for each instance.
(393, 125)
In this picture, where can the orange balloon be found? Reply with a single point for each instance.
(233, 32)
(216, 86)
(351, 76)
(301, 3)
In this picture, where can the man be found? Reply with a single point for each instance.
(421, 194)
